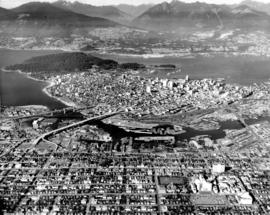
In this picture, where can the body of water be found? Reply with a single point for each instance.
(17, 89)
(244, 70)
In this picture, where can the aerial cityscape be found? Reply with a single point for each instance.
(160, 108)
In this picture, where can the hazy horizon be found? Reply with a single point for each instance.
(15, 3)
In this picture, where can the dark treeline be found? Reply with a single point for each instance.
(63, 62)
(134, 66)
(171, 66)
(69, 62)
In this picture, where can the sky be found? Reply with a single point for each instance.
(15, 3)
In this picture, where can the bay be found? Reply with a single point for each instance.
(244, 70)
(17, 89)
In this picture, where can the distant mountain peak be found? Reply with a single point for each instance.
(50, 11)
(180, 15)
(165, 6)
(64, 2)
(6, 14)
(248, 1)
(45, 19)
(243, 9)
(256, 5)
(34, 7)
(107, 12)
(134, 10)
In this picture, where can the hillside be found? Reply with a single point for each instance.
(62, 63)
(6, 14)
(178, 16)
(260, 6)
(134, 10)
(44, 19)
(46, 12)
(108, 12)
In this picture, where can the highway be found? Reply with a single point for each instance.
(42, 137)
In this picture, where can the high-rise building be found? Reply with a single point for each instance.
(148, 88)
(170, 84)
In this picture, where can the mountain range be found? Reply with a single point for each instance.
(45, 19)
(6, 14)
(122, 13)
(66, 18)
(107, 12)
(260, 6)
(134, 10)
(178, 16)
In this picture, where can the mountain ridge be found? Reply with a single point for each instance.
(134, 10)
(174, 15)
(6, 14)
(264, 7)
(107, 12)
(38, 10)
(45, 19)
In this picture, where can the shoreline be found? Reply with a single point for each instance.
(48, 84)
(145, 56)
(39, 49)
(182, 55)
(67, 103)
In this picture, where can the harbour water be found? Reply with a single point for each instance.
(17, 89)
(244, 70)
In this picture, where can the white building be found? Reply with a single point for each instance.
(148, 88)
(218, 168)
(170, 84)
(245, 199)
